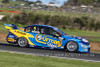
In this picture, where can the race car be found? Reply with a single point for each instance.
(43, 36)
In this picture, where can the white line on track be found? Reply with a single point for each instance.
(47, 56)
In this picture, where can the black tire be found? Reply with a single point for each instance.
(22, 42)
(71, 46)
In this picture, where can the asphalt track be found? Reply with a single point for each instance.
(93, 57)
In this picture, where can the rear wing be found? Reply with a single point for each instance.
(10, 26)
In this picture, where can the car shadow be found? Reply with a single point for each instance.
(57, 50)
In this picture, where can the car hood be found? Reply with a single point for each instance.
(76, 38)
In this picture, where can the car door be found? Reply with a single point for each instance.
(53, 41)
(33, 30)
(48, 38)
(38, 33)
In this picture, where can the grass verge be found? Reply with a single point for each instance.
(94, 40)
(6, 11)
(81, 33)
(21, 60)
(72, 32)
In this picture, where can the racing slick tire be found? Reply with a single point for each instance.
(22, 42)
(71, 46)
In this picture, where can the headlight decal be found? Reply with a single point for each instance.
(84, 40)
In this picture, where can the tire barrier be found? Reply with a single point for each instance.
(10, 11)
(14, 12)
(2, 11)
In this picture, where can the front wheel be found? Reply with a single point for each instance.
(22, 42)
(71, 46)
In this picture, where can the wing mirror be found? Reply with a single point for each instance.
(61, 38)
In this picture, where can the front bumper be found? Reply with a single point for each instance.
(84, 47)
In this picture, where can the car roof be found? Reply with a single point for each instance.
(42, 26)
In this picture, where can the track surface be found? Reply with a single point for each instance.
(55, 53)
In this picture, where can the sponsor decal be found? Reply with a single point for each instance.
(51, 45)
(10, 39)
(11, 36)
(85, 49)
(22, 33)
(50, 42)
(21, 29)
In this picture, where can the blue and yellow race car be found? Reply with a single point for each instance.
(44, 36)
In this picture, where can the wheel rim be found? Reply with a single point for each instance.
(71, 46)
(22, 42)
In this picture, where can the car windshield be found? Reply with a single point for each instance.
(56, 29)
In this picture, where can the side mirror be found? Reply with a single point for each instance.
(61, 38)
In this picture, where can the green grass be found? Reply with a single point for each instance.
(13, 3)
(6, 11)
(21, 60)
(94, 39)
(3, 30)
(68, 31)
(72, 32)
(76, 14)
(81, 33)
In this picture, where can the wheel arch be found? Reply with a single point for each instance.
(27, 43)
(22, 37)
(70, 41)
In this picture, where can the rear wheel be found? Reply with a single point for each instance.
(71, 46)
(22, 42)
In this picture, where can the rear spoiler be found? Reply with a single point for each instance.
(10, 26)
